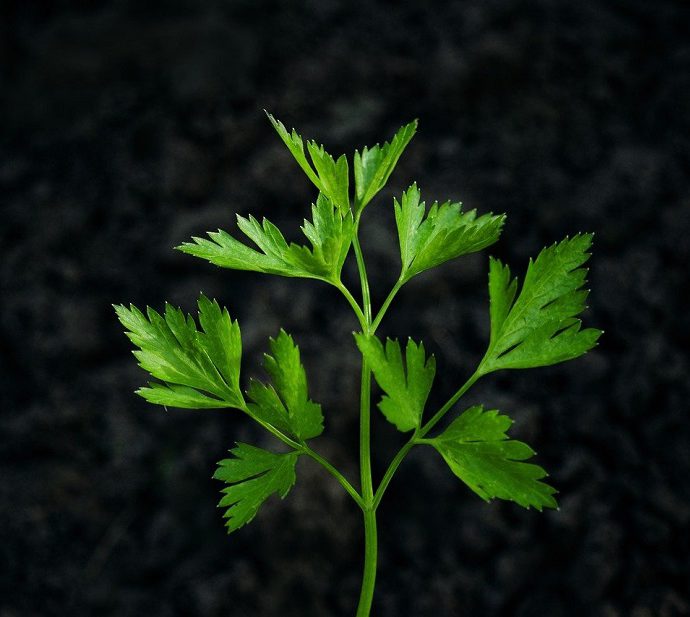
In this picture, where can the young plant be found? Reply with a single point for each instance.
(532, 324)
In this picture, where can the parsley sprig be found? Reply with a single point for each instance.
(197, 362)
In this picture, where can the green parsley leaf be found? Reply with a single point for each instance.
(479, 452)
(183, 397)
(330, 235)
(540, 327)
(334, 175)
(331, 177)
(406, 385)
(286, 404)
(374, 165)
(253, 475)
(445, 233)
(200, 369)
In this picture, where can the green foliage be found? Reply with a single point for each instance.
(330, 234)
(374, 165)
(331, 177)
(446, 233)
(200, 369)
(540, 327)
(406, 383)
(285, 404)
(253, 475)
(198, 366)
(478, 451)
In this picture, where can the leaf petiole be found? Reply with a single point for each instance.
(418, 437)
(361, 267)
(335, 473)
(352, 302)
(273, 430)
(386, 303)
(305, 449)
(449, 403)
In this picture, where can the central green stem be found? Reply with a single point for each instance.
(370, 533)
(370, 536)
(365, 437)
(370, 554)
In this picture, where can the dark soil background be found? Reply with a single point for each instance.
(129, 126)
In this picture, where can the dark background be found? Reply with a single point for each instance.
(129, 126)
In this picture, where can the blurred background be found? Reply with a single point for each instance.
(130, 126)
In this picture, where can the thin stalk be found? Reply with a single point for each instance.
(274, 431)
(370, 533)
(365, 392)
(335, 473)
(419, 435)
(303, 447)
(366, 296)
(386, 303)
(365, 436)
(366, 596)
(449, 403)
(390, 472)
(353, 303)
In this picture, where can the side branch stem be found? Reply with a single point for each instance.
(449, 403)
(274, 431)
(335, 473)
(353, 303)
(386, 303)
(305, 449)
(366, 295)
(419, 435)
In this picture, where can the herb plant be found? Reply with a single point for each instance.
(533, 324)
